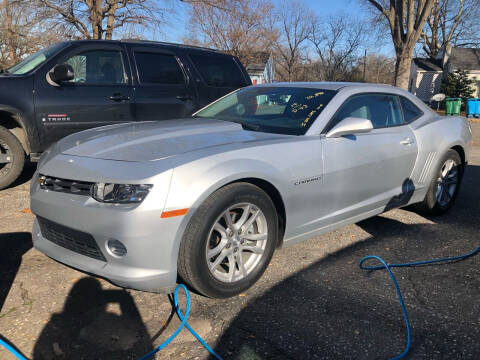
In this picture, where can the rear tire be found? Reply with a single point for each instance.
(239, 253)
(444, 187)
(11, 148)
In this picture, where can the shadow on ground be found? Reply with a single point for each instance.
(330, 310)
(334, 310)
(12, 248)
(26, 174)
(94, 324)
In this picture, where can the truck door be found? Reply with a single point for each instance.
(101, 92)
(163, 89)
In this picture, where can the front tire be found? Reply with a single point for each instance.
(12, 158)
(229, 241)
(444, 186)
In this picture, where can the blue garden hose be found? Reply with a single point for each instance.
(184, 317)
(399, 293)
(12, 350)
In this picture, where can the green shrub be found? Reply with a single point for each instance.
(458, 85)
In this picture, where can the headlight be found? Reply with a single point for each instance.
(120, 193)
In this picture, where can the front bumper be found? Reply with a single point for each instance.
(150, 263)
(152, 242)
(132, 277)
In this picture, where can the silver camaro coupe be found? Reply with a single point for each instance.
(208, 199)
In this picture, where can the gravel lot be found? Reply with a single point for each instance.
(312, 303)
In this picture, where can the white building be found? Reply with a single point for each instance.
(426, 74)
(262, 68)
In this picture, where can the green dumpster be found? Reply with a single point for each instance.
(453, 106)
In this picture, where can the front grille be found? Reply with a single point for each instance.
(64, 185)
(70, 239)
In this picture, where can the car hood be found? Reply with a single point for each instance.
(149, 141)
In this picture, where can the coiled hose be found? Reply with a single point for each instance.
(384, 265)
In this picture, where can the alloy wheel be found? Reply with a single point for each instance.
(236, 242)
(447, 183)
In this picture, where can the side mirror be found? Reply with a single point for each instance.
(350, 126)
(59, 73)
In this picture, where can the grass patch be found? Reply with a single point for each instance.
(8, 312)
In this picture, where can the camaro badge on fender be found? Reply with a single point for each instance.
(308, 180)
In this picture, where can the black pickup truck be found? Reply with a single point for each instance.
(75, 85)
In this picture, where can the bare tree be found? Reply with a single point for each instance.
(451, 22)
(24, 31)
(336, 41)
(97, 19)
(378, 69)
(406, 21)
(294, 23)
(217, 4)
(8, 28)
(240, 27)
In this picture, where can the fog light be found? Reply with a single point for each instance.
(116, 247)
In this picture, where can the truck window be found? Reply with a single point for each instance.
(35, 60)
(98, 67)
(218, 71)
(156, 68)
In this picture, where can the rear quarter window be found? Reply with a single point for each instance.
(218, 71)
(410, 111)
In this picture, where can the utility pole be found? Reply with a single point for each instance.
(365, 66)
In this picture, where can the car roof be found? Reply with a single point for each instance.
(329, 85)
(148, 42)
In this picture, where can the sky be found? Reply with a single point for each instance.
(176, 30)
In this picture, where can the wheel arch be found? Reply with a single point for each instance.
(12, 121)
(461, 151)
(276, 198)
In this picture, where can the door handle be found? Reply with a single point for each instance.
(119, 97)
(184, 97)
(406, 141)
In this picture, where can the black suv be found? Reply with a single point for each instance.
(75, 85)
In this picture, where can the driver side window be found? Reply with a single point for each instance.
(97, 67)
(383, 110)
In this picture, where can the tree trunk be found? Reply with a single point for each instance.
(402, 69)
(406, 21)
(95, 9)
(110, 20)
(9, 32)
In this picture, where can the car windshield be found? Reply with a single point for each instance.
(282, 110)
(35, 60)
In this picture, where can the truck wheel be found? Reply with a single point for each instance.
(12, 158)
